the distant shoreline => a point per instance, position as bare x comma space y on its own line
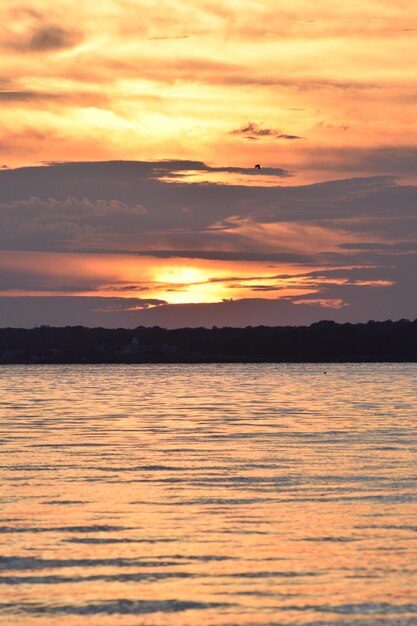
225, 361
322, 342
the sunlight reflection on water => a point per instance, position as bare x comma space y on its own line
208, 494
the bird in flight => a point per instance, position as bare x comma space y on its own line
257, 166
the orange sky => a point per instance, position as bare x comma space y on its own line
142, 80
314, 92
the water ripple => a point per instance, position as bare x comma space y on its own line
121, 607
231, 495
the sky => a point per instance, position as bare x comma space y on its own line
129, 135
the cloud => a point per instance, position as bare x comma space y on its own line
15, 97
52, 38
52, 223
181, 100
122, 288
220, 255
289, 137
358, 236
401, 246
26, 96
325, 303
181, 169
306, 83
138, 208
125, 304
173, 70
167, 37
254, 132
45, 38
24, 312
116, 312
349, 161
120, 203
332, 126
35, 275
113, 312
147, 170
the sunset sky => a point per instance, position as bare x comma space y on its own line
129, 132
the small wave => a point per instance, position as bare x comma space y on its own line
119, 607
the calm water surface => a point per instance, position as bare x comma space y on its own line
208, 495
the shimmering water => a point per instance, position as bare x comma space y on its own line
208, 494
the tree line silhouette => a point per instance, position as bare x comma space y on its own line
324, 341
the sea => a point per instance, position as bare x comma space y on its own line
199, 495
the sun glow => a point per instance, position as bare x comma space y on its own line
180, 275
182, 284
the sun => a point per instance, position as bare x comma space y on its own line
181, 275
183, 284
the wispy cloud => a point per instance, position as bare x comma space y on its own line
118, 79
254, 131
47, 38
